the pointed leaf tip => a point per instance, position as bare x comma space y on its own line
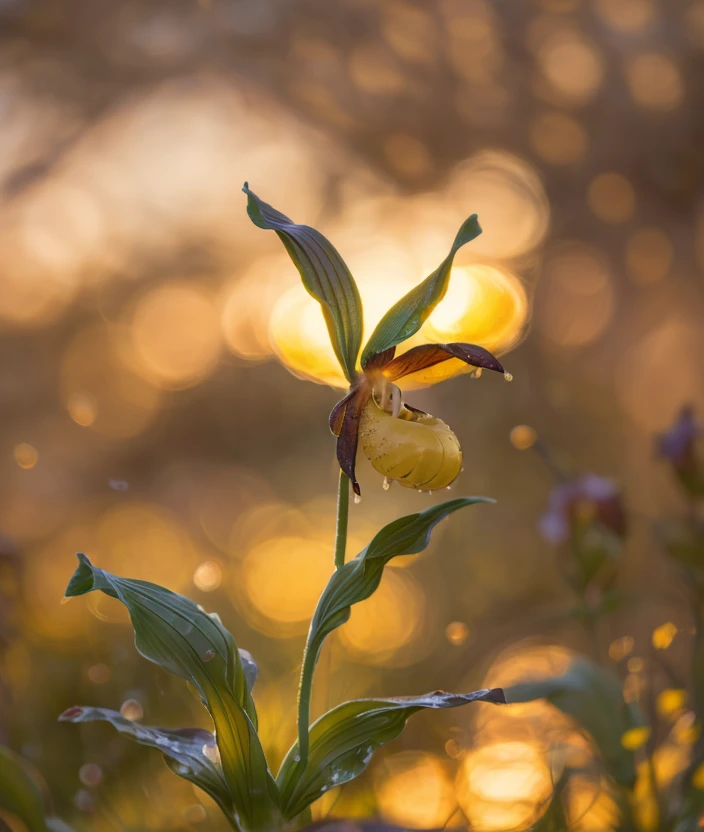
407, 316
325, 277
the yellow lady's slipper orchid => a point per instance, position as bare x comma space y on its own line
406, 445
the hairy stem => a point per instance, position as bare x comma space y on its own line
343, 507
305, 686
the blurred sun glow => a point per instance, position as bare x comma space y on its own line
175, 336
503, 786
282, 579
414, 790
397, 611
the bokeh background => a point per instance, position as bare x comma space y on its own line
146, 327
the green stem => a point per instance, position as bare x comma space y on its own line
343, 508
310, 658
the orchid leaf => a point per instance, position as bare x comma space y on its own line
324, 275
353, 582
343, 741
409, 314
176, 634
185, 750
359, 578
594, 698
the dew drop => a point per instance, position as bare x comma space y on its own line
357, 499
429, 493
508, 376
449, 488
208, 655
131, 709
420, 490
386, 484
477, 373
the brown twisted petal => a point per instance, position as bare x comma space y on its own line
344, 423
415, 449
428, 355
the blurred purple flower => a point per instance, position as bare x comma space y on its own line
583, 500
677, 444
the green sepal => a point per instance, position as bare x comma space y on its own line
407, 316
325, 276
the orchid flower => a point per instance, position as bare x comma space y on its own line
404, 444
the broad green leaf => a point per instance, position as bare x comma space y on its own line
176, 634
360, 577
343, 741
324, 275
593, 697
407, 316
355, 581
185, 750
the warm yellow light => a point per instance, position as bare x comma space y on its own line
523, 437
414, 791
649, 255
578, 298
611, 197
670, 701
175, 336
208, 576
457, 633
572, 66
626, 15
621, 647
635, 738
507, 193
26, 455
387, 622
503, 786
664, 635
83, 409
558, 138
282, 579
100, 390
591, 807
655, 81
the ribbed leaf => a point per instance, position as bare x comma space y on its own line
184, 750
21, 794
407, 316
343, 741
355, 581
593, 697
176, 634
324, 275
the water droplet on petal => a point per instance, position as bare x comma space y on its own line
477, 373
449, 488
508, 376
208, 655
386, 484
357, 499
429, 493
420, 490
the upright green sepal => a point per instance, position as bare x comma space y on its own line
181, 637
325, 276
407, 316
